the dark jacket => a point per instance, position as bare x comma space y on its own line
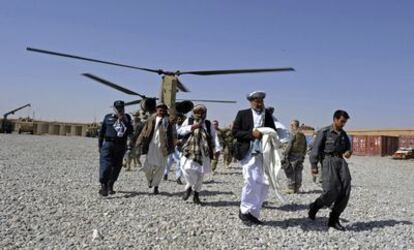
107, 131
147, 132
243, 131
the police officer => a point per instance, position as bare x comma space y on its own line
115, 129
333, 144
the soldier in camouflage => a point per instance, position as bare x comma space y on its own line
294, 157
226, 141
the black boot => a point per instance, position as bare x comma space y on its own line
179, 182
111, 188
334, 222
104, 190
187, 194
314, 208
166, 177
196, 198
156, 191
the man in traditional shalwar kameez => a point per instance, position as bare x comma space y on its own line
200, 140
157, 143
248, 152
176, 155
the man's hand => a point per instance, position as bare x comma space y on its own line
348, 154
314, 171
256, 134
217, 155
195, 126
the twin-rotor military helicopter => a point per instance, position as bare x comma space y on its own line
170, 84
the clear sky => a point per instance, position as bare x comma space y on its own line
355, 55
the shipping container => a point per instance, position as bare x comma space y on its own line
374, 145
406, 141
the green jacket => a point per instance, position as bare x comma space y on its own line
297, 145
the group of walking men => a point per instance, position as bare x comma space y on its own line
194, 143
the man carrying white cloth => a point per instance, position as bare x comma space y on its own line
248, 150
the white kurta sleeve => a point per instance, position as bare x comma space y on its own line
215, 140
185, 129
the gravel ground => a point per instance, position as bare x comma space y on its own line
49, 199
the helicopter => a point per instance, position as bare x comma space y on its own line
170, 84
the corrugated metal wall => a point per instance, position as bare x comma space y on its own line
374, 145
407, 141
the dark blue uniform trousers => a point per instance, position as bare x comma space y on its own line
336, 184
110, 162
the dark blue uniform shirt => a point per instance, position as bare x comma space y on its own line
328, 141
108, 131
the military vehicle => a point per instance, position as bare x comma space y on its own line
170, 84
92, 129
25, 125
6, 125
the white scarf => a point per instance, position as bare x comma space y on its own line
271, 160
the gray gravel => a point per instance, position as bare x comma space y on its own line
49, 199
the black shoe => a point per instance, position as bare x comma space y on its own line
187, 194
255, 220
156, 191
249, 219
334, 222
196, 198
313, 209
166, 177
179, 182
336, 225
111, 189
243, 217
104, 190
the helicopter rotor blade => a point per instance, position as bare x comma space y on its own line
205, 100
92, 60
233, 71
112, 85
181, 86
133, 102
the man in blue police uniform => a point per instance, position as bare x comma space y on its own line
332, 145
115, 129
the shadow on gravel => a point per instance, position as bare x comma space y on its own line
292, 207
316, 191
126, 194
222, 203
230, 173
304, 223
213, 182
211, 193
367, 226
131, 194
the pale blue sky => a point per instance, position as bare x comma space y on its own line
354, 55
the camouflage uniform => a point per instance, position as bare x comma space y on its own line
228, 146
226, 141
133, 155
293, 160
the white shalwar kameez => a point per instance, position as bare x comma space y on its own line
192, 171
255, 186
155, 161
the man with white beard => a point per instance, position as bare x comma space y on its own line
248, 152
157, 143
200, 139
